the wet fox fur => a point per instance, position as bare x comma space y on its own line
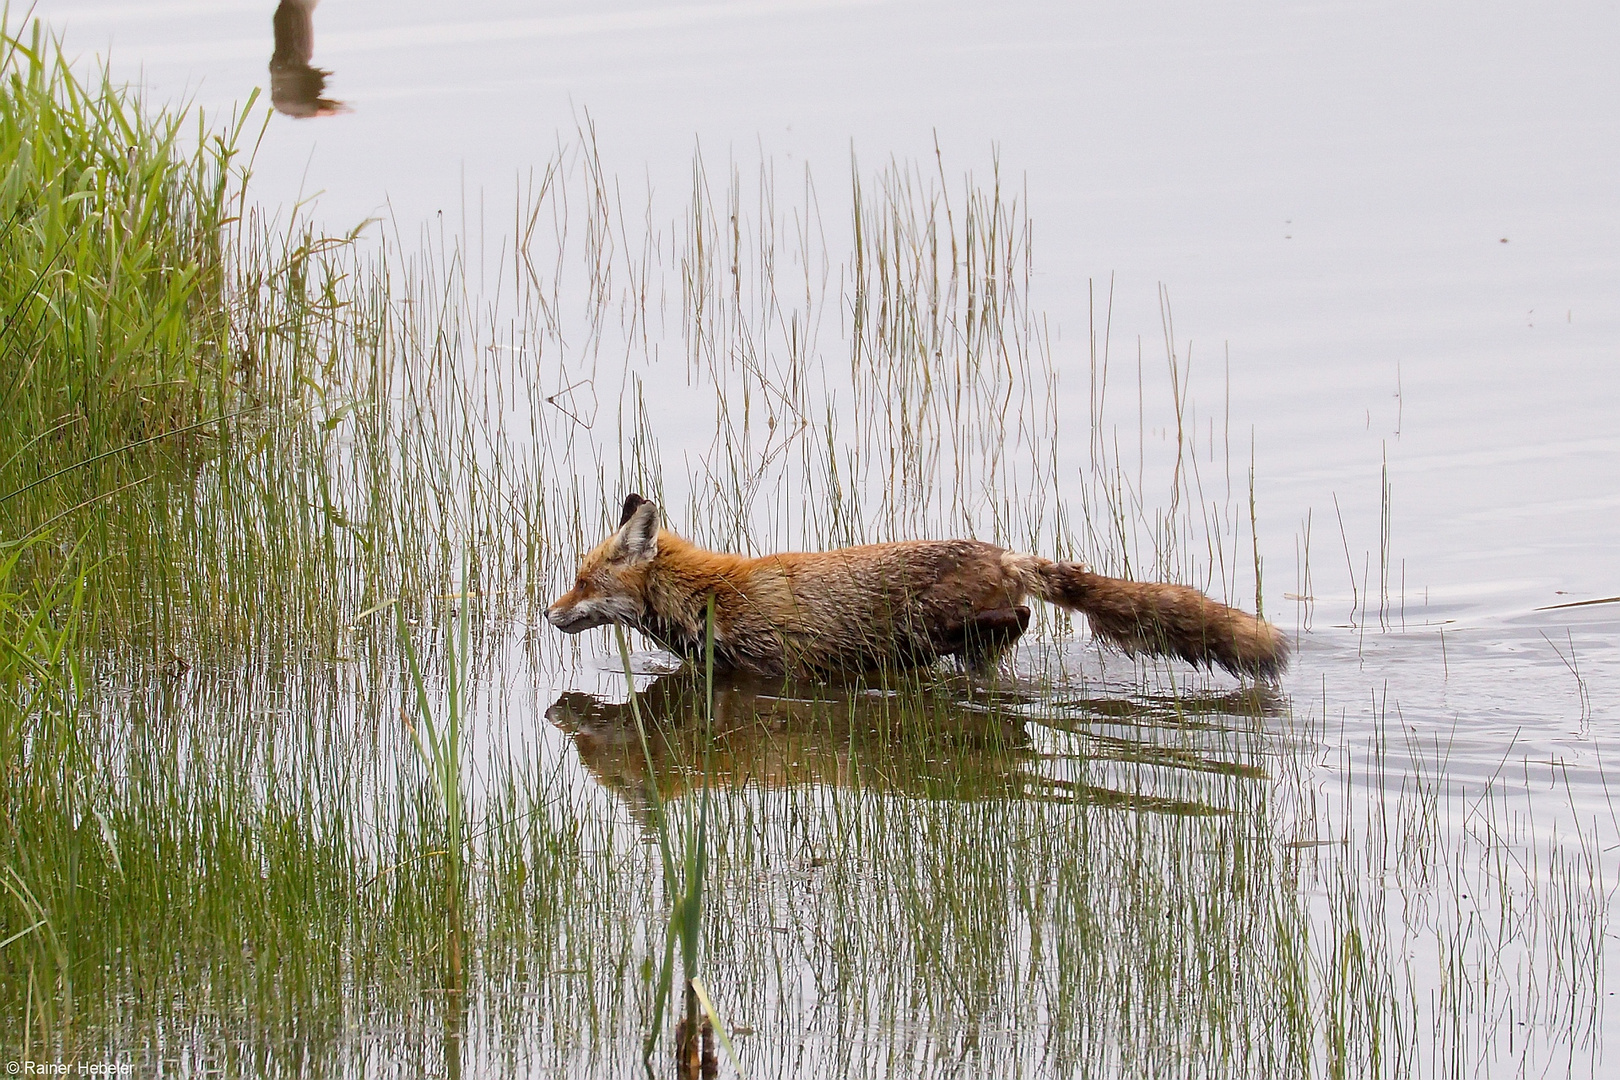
885, 605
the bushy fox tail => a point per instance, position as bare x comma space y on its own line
1165, 620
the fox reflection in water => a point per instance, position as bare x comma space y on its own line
921, 741
296, 86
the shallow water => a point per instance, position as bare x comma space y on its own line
1391, 247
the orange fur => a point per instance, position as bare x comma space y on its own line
877, 605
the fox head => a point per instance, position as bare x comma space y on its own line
610, 587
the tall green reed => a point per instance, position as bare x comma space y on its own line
439, 745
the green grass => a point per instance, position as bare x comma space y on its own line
117, 342
112, 278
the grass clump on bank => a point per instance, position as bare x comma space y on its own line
115, 356
111, 281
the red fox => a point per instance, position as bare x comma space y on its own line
885, 605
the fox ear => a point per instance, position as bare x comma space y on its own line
631, 501
638, 537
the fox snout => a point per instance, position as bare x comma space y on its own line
592, 603
573, 614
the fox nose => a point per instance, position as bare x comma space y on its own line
570, 618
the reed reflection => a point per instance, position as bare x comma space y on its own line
295, 85
944, 741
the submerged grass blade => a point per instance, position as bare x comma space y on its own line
719, 1027
661, 828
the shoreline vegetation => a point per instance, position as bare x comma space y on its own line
295, 783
